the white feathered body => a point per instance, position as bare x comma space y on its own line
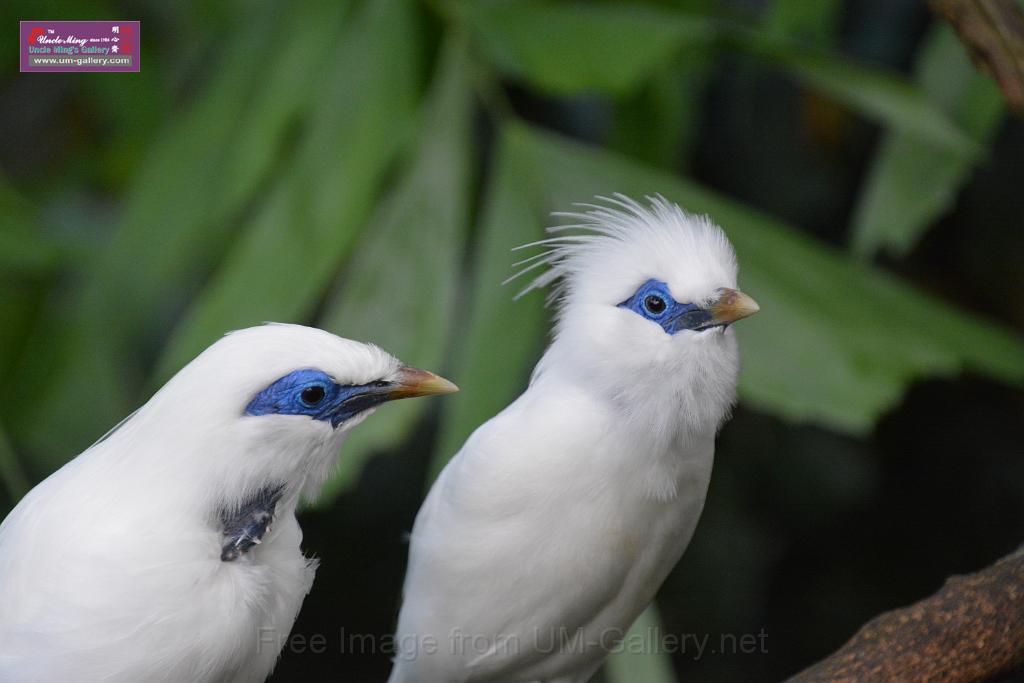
552, 529
111, 570
98, 583
497, 594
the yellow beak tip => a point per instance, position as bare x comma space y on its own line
733, 305
413, 382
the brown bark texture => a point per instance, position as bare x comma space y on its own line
972, 629
993, 33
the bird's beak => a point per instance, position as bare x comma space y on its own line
730, 305
412, 382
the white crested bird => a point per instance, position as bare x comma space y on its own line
169, 551
550, 531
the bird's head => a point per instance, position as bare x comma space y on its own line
646, 296
274, 402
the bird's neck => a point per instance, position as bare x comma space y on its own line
669, 407
650, 453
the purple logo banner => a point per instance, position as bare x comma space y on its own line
49, 46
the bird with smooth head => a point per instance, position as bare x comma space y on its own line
170, 550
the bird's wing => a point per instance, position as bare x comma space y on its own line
497, 538
108, 580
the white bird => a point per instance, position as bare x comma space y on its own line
169, 550
551, 530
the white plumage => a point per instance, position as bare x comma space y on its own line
555, 525
151, 556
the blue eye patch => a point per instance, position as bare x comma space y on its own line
654, 302
314, 393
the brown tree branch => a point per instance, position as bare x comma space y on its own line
993, 33
971, 630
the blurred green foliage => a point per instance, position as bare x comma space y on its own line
912, 181
367, 167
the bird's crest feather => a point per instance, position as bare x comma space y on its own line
616, 218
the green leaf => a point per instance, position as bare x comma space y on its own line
814, 23
911, 181
203, 170
502, 337
640, 658
24, 250
12, 475
877, 94
612, 48
178, 217
135, 107
400, 288
298, 237
291, 86
836, 341
28, 259
574, 47
657, 122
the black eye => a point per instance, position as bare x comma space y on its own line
312, 395
654, 304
